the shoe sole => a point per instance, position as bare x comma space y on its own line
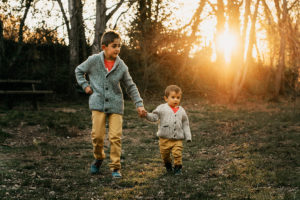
116, 175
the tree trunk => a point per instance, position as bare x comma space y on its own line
82, 38
20, 39
282, 32
195, 22
73, 44
78, 25
101, 21
145, 51
252, 33
74, 37
241, 76
246, 19
233, 13
64, 16
100, 25
220, 29
220, 59
240, 62
270, 30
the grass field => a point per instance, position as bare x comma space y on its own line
243, 151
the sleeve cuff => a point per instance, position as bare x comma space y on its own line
84, 85
139, 104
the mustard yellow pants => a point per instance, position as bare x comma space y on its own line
114, 134
168, 147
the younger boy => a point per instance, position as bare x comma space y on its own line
173, 128
106, 71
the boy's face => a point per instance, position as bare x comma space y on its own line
112, 50
173, 99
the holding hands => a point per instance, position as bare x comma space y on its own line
142, 112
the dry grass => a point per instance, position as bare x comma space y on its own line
243, 151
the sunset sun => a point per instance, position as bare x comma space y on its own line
226, 43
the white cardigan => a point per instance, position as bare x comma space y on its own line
171, 125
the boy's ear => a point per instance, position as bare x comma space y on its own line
166, 98
103, 46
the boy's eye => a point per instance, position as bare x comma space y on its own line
116, 45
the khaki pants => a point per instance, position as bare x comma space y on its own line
168, 147
114, 135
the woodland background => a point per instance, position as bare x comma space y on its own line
157, 53
242, 100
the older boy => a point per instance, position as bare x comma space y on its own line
106, 71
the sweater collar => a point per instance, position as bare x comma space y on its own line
167, 105
117, 61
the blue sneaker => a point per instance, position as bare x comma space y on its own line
96, 166
177, 170
116, 174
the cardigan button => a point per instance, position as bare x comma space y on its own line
106, 100
105, 109
106, 88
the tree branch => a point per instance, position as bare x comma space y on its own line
114, 10
64, 16
130, 1
129, 6
293, 4
196, 16
213, 6
28, 4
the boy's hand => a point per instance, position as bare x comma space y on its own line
88, 90
142, 112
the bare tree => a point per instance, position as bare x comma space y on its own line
77, 40
74, 37
233, 13
101, 21
194, 24
219, 10
283, 39
242, 72
20, 34
65, 17
282, 22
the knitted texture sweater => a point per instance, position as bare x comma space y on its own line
107, 93
171, 125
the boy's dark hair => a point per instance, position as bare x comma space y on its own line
109, 37
172, 88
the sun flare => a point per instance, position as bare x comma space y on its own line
226, 43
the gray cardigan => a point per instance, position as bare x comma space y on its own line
107, 93
171, 125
